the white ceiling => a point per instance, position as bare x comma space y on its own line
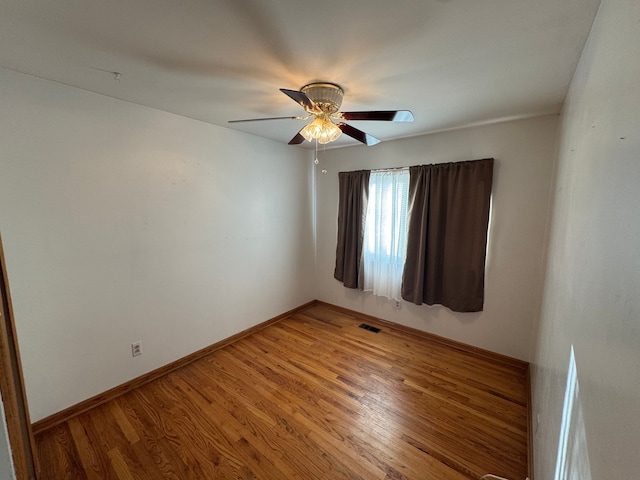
452, 62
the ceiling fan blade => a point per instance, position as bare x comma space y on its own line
297, 140
261, 119
382, 115
301, 98
359, 135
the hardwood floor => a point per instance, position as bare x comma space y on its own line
310, 397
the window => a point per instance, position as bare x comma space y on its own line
385, 234
434, 256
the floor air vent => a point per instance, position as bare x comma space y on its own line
370, 328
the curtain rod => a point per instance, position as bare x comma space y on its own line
387, 169
424, 165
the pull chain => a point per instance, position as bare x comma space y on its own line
316, 160
324, 148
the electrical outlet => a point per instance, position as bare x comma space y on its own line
136, 348
397, 305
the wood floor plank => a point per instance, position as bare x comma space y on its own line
312, 396
197, 440
156, 443
284, 409
93, 462
58, 449
102, 427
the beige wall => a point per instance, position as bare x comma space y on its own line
592, 287
124, 223
524, 151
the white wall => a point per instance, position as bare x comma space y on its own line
124, 223
592, 286
524, 151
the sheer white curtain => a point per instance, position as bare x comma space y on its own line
385, 237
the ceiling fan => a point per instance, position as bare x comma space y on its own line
322, 101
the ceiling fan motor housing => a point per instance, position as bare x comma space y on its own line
327, 96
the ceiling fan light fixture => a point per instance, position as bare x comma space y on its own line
321, 129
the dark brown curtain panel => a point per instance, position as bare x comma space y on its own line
447, 234
354, 189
